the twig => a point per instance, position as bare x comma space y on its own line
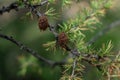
102, 32
73, 70
41, 4
12, 6
32, 52
15, 6
35, 54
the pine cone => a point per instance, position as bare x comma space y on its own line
62, 40
43, 23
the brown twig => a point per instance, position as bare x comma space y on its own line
73, 70
32, 52
12, 6
15, 6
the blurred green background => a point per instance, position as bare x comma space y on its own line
19, 65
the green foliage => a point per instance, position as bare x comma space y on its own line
99, 4
51, 1
106, 48
51, 13
108, 4
50, 46
26, 63
66, 2
67, 73
87, 19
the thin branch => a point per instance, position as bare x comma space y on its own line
73, 70
72, 54
102, 32
15, 6
41, 4
12, 6
32, 52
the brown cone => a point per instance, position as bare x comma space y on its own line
43, 23
62, 40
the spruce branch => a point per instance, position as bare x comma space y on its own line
73, 53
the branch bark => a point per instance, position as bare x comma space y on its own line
12, 6
15, 6
30, 51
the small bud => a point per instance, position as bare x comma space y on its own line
62, 40
43, 23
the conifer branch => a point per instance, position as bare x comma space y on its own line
30, 51
73, 52
15, 6
12, 6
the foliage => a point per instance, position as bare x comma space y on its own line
87, 19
